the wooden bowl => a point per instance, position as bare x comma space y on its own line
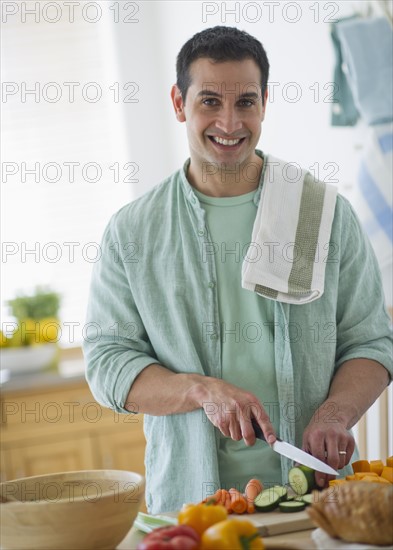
69, 510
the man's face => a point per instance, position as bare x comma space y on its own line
223, 112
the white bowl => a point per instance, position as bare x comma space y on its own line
70, 510
27, 358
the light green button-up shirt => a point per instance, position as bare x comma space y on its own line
153, 299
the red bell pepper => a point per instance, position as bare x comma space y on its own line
173, 537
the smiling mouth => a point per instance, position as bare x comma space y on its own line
229, 143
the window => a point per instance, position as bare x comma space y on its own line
64, 168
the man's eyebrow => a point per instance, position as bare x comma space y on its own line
246, 95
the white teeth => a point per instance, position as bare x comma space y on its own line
226, 141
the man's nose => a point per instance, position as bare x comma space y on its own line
228, 121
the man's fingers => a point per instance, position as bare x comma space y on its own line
343, 450
247, 431
235, 429
332, 444
256, 414
332, 449
224, 430
316, 447
233, 416
267, 428
335, 450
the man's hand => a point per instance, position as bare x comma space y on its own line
159, 391
231, 409
354, 388
327, 438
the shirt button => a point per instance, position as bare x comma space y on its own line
212, 284
213, 336
201, 232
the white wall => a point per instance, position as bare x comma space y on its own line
297, 126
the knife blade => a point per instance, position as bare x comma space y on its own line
294, 453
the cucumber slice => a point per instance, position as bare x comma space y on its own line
301, 479
308, 499
282, 491
267, 500
292, 506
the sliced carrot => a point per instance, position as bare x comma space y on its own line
213, 499
337, 481
238, 501
224, 497
372, 479
360, 475
376, 466
387, 473
350, 477
218, 497
383, 480
226, 500
389, 461
360, 466
250, 508
252, 490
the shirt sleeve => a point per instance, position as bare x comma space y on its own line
363, 324
115, 345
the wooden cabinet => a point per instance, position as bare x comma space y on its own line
60, 427
114, 454
57, 455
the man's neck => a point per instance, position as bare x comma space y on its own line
226, 183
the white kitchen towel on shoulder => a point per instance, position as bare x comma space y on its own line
286, 259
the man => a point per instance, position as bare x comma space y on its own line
184, 352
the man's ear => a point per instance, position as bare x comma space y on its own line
178, 104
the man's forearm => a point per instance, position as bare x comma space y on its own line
355, 387
159, 391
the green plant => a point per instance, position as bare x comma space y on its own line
43, 303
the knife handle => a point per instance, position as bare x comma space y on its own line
258, 430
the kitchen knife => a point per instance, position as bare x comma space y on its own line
296, 454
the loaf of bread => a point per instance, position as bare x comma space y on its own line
355, 512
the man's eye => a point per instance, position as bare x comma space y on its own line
210, 101
246, 102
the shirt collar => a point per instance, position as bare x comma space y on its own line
189, 190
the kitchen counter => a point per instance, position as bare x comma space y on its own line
71, 368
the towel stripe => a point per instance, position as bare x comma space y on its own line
307, 232
267, 292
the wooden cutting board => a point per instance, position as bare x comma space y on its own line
274, 523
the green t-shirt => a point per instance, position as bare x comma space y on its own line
246, 328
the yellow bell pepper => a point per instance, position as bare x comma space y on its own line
201, 516
232, 534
